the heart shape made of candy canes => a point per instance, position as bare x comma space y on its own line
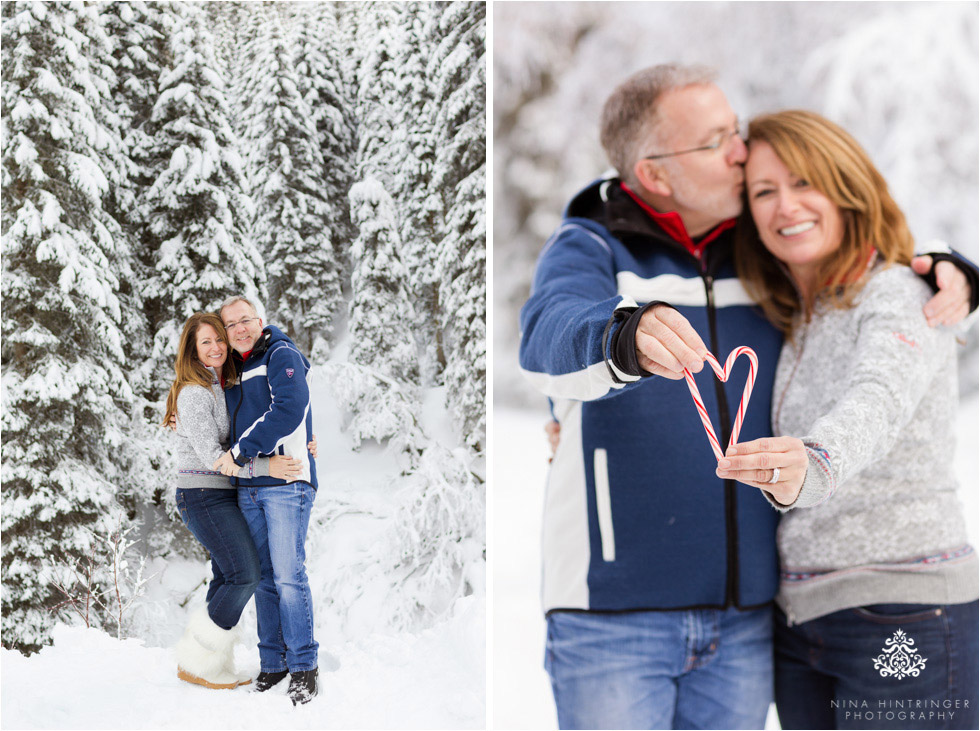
723, 374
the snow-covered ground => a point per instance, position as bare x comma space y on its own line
521, 690
370, 676
89, 680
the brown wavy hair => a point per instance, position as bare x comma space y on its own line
188, 368
829, 159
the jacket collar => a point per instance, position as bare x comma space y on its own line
609, 203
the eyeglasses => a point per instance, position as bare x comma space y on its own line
232, 325
717, 141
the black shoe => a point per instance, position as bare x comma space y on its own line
302, 686
267, 680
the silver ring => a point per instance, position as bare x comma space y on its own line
775, 477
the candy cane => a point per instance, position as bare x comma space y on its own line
723, 374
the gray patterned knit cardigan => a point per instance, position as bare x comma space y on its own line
871, 391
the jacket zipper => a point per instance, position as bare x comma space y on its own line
731, 523
234, 418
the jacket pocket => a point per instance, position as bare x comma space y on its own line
603, 504
898, 613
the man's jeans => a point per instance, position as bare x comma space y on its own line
826, 674
674, 669
278, 518
212, 515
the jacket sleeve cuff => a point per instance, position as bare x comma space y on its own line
236, 454
818, 484
260, 467
623, 353
968, 268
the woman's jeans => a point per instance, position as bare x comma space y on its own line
212, 515
857, 668
278, 517
701, 668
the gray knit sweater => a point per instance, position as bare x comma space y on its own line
203, 428
871, 391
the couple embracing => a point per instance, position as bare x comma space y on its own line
245, 487
683, 591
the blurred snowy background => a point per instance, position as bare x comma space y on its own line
902, 77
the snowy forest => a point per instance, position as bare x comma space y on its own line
326, 159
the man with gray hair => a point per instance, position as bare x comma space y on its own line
270, 412
658, 575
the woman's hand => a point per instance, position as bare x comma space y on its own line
312, 446
283, 468
226, 465
754, 463
553, 430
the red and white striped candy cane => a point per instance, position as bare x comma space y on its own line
723, 374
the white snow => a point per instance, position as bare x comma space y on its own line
89, 680
371, 677
521, 689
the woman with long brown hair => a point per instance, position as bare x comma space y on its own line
208, 502
878, 578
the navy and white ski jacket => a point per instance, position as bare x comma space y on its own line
635, 517
269, 407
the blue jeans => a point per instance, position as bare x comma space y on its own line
705, 668
212, 515
826, 675
278, 518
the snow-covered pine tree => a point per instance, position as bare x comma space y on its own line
378, 39
247, 74
140, 33
223, 18
412, 160
319, 61
379, 385
355, 22
65, 390
291, 227
458, 71
196, 207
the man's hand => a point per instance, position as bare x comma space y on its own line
666, 344
284, 468
753, 463
226, 465
952, 302
311, 446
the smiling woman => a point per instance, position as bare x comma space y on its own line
208, 502
212, 349
803, 170
867, 386
800, 225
